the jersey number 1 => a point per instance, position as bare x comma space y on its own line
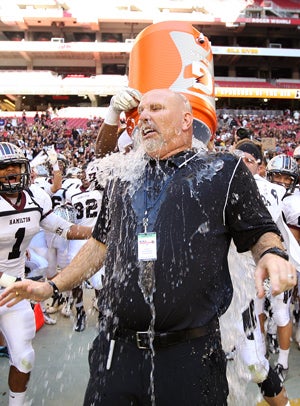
19, 236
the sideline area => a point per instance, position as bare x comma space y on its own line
61, 370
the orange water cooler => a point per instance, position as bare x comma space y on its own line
173, 54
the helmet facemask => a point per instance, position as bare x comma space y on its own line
11, 155
14, 182
285, 165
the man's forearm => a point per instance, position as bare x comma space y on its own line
56, 181
79, 232
88, 261
106, 140
266, 241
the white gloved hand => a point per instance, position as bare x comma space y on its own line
39, 159
125, 100
52, 155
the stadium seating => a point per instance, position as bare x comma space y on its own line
285, 4
248, 83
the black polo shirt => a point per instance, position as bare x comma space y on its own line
196, 203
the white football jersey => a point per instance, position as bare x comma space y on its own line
44, 183
87, 205
291, 209
272, 195
59, 197
17, 227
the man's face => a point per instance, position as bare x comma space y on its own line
251, 162
84, 179
282, 179
162, 123
10, 174
61, 165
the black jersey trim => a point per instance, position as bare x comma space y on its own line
14, 212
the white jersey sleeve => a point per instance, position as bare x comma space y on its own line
44, 183
41, 197
272, 196
291, 209
49, 221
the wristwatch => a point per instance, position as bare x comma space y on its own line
276, 251
55, 288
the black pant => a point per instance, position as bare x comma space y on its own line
190, 374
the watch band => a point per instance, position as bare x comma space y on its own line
276, 251
54, 287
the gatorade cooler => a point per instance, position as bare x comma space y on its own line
174, 55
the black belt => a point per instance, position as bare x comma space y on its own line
142, 339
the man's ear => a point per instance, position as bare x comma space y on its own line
187, 120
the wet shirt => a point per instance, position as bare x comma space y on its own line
195, 204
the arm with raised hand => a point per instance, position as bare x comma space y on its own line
125, 100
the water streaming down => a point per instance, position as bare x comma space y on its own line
129, 168
241, 267
147, 285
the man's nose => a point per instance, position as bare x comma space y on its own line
144, 115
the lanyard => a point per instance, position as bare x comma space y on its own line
148, 208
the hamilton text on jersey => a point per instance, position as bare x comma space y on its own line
19, 220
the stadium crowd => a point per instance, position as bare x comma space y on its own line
284, 128
77, 144
32, 135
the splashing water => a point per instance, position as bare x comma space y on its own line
147, 285
147, 280
127, 167
241, 267
130, 168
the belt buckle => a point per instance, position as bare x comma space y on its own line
139, 340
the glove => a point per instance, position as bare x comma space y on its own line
125, 100
40, 159
52, 155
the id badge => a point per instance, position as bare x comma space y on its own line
147, 250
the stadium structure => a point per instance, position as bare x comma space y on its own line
74, 53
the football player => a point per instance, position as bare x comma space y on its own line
86, 200
22, 214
